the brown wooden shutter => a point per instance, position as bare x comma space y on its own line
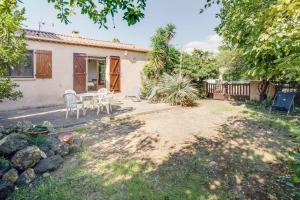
79, 81
115, 70
43, 64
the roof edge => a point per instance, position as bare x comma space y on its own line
87, 45
53, 40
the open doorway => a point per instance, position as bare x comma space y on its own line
96, 73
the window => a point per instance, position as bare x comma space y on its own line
101, 76
24, 69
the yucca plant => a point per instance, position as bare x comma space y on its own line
178, 90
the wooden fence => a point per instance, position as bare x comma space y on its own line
228, 91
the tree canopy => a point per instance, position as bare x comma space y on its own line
12, 47
231, 64
164, 58
198, 65
267, 32
99, 10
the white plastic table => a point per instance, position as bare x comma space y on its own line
91, 95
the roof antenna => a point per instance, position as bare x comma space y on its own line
41, 23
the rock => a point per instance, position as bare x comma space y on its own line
4, 167
43, 154
66, 137
9, 130
46, 174
49, 125
13, 143
11, 176
26, 177
64, 150
48, 164
53, 144
50, 153
26, 158
6, 188
23, 126
78, 141
45, 147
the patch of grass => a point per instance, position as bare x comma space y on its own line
128, 180
38, 140
225, 107
122, 121
207, 169
3, 159
82, 129
105, 125
265, 104
85, 155
288, 124
50, 188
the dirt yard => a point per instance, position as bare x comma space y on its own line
154, 136
216, 150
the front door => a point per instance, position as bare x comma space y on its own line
115, 74
79, 81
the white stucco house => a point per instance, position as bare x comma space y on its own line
57, 62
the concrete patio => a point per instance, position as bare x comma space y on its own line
56, 114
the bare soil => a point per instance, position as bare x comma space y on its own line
242, 157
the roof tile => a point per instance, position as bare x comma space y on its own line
71, 39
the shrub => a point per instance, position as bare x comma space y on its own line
38, 140
266, 103
262, 104
147, 85
252, 102
178, 90
202, 93
294, 166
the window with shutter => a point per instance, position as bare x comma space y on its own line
43, 64
24, 69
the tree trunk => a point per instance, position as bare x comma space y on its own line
263, 89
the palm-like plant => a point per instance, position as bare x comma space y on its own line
159, 56
169, 32
178, 90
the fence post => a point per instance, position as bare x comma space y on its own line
226, 90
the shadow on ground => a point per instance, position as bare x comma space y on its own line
110, 140
245, 161
56, 115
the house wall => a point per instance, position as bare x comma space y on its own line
42, 92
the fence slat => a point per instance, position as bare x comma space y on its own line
234, 91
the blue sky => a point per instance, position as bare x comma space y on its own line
194, 30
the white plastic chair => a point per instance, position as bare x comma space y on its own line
136, 92
104, 100
72, 103
152, 93
103, 91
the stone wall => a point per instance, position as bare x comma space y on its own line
254, 93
